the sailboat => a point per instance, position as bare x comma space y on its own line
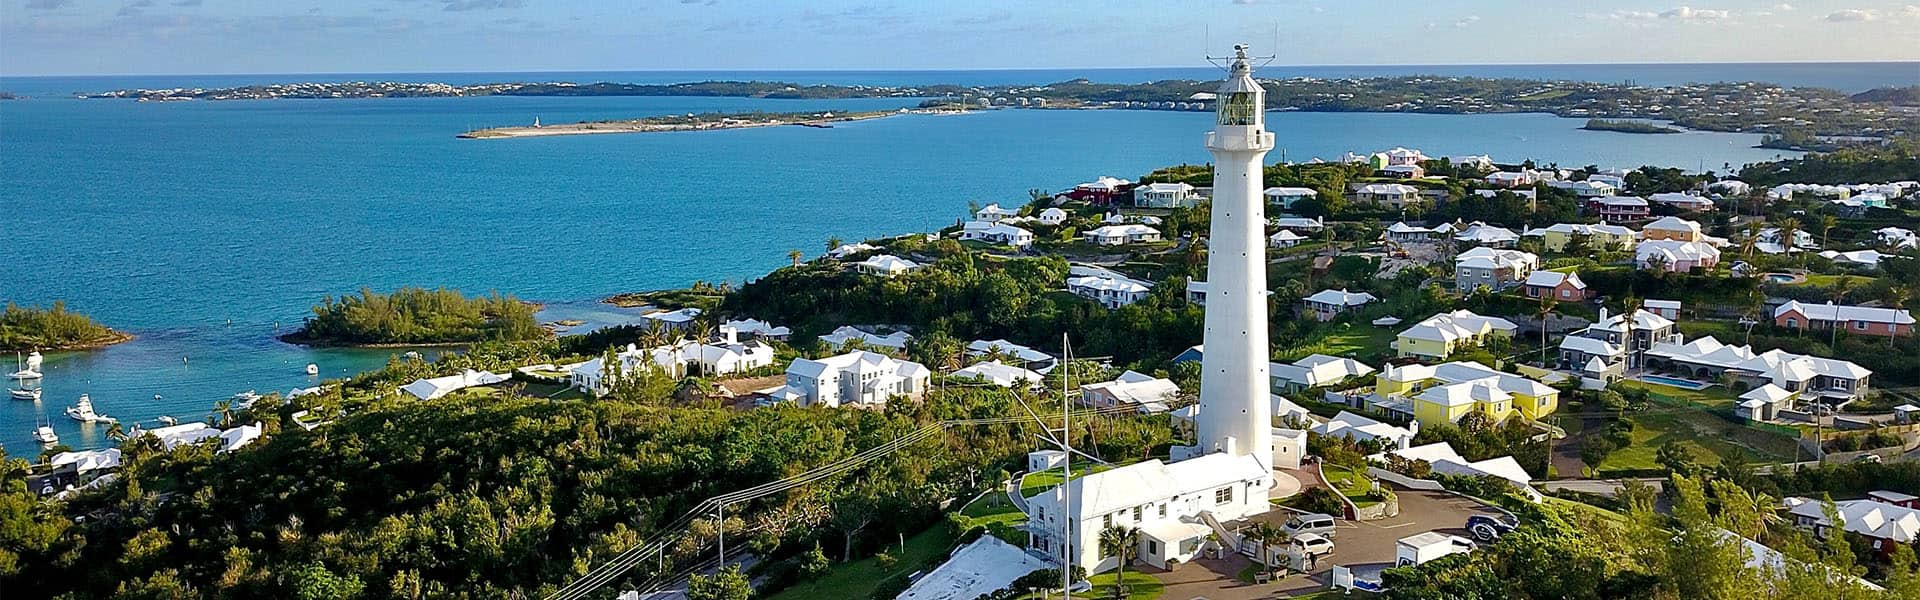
83, 412
30, 370
24, 393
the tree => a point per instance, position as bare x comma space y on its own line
1267, 536
1827, 223
794, 255
833, 243
814, 563
1789, 227
1547, 304
1676, 458
856, 509
315, 582
728, 584
1838, 294
1122, 543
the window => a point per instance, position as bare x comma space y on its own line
1791, 322
1163, 510
1223, 495
1136, 514
1861, 325
1106, 520
1238, 109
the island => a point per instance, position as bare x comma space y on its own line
687, 122
34, 328
1627, 126
1726, 107
412, 316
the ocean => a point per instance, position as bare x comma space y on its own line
205, 228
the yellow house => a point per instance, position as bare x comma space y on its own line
1599, 237
1444, 393
1440, 335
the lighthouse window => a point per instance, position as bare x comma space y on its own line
1238, 109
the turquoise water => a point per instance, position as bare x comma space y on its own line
1675, 382
206, 227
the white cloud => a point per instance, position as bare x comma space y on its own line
1467, 21
1852, 15
1633, 15
1783, 6
1688, 13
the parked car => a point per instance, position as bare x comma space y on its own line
1315, 523
1487, 528
1309, 547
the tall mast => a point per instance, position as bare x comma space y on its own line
1066, 472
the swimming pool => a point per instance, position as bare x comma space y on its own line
1675, 382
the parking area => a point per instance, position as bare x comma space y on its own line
1365, 546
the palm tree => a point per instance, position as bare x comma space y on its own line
116, 433
832, 242
1838, 294
1896, 297
1267, 536
223, 410
794, 255
1629, 306
655, 336
1827, 223
1547, 304
1788, 228
1120, 542
1753, 235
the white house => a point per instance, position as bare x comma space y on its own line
1510, 179
1171, 505
1300, 224
1362, 429
1116, 235
175, 436
858, 378
846, 250
759, 329
1285, 239
1586, 189
892, 342
1148, 393
1442, 457
1868, 259
997, 373
1286, 196
1327, 305
1113, 292
1024, 356
671, 320
1491, 268
429, 389
1314, 371
1492, 236
1164, 195
886, 265
1707, 359
1687, 202
1897, 238
1675, 256
1394, 195
992, 213
1053, 216
995, 232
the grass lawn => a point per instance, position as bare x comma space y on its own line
996, 513
1361, 341
1140, 586
1709, 436
1354, 485
1716, 396
1040, 481
859, 578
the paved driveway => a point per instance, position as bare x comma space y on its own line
1365, 546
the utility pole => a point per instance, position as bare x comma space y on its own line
1067, 513
721, 530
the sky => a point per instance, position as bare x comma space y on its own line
96, 37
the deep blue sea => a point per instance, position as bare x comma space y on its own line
206, 227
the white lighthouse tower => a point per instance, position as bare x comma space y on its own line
1235, 411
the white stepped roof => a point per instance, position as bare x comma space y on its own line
1842, 312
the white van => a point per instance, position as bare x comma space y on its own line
1316, 523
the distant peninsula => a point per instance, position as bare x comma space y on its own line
688, 122
34, 328
412, 316
1628, 126
1726, 107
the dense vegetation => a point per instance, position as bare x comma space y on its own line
1627, 126
418, 316
1897, 160
35, 328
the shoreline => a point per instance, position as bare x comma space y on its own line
117, 337
651, 125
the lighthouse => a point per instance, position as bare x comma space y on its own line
1235, 411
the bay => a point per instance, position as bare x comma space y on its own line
206, 227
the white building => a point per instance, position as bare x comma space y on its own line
1117, 235
1000, 374
1392, 195
892, 342
759, 329
1492, 236
1363, 429
1285, 239
1300, 224
1110, 291
886, 265
1022, 355
1675, 256
1326, 305
1169, 504
1053, 216
1314, 371
1492, 268
1706, 359
671, 320
1284, 197
845, 250
1687, 202
429, 389
991, 213
1165, 195
996, 232
1150, 394
858, 378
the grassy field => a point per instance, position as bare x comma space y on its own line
1352, 484
1713, 396
859, 578
1710, 438
998, 514
1140, 586
1039, 481
1361, 341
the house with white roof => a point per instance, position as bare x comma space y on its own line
1109, 291
845, 250
1000, 374
1491, 268
1557, 237
1390, 195
1118, 218
886, 265
1327, 305
1886, 524
1585, 189
1402, 232
1440, 335
1446, 392
1103, 190
1618, 209
1563, 287
1284, 197
672, 320
1314, 371
1014, 353
1614, 344
175, 436
1861, 320
1404, 171
1053, 216
1675, 256
1118, 235
1474, 160
429, 389
758, 329
991, 213
1363, 429
1706, 359
1300, 224
858, 378
1764, 403
1511, 179
1444, 459
1147, 393
1173, 506
724, 355
1673, 229
893, 342
1665, 308
1398, 156
1771, 235
1686, 202
84, 461
1865, 259
996, 232
1165, 195
1285, 239
1491, 236
1730, 187
1897, 238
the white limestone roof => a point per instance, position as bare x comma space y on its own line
1679, 199
757, 327
1319, 369
1290, 191
1843, 312
88, 460
1140, 483
1587, 345
1104, 183
1554, 279
1137, 388
1461, 371
1402, 227
428, 389
1459, 324
1642, 320
1053, 212
1362, 428
1169, 187
1675, 250
1299, 222
1622, 201
1388, 188
1107, 283
1768, 393
1466, 392
1121, 230
1341, 297
845, 249
1005, 347
1671, 223
1286, 235
1775, 364
889, 263
999, 374
845, 333
1484, 233
1867, 517
1661, 304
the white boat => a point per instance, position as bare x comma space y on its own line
168, 421
246, 398
83, 412
24, 394
44, 434
313, 369
28, 370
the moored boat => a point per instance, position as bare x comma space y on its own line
83, 412
45, 435
24, 393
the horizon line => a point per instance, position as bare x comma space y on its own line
960, 70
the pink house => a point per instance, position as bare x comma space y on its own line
1862, 320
